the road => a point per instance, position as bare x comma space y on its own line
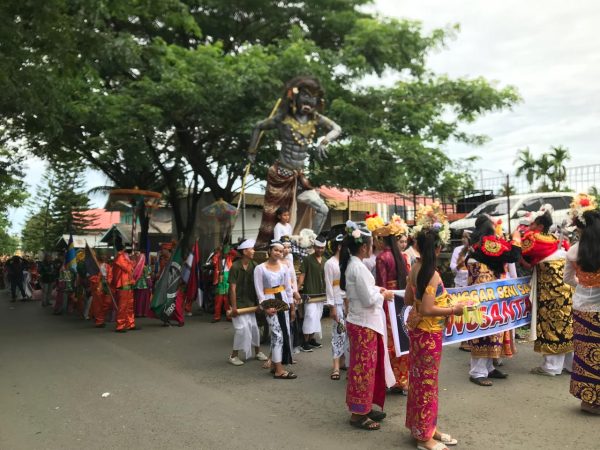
172, 388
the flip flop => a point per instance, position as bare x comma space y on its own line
335, 375
481, 381
365, 424
446, 439
285, 376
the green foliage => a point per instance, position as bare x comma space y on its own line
55, 209
549, 168
164, 93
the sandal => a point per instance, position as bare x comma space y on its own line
376, 416
335, 375
497, 374
285, 376
437, 446
365, 424
445, 439
480, 381
267, 364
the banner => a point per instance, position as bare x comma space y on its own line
504, 305
165, 291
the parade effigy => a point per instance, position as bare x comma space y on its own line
296, 117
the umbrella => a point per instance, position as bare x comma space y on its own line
220, 210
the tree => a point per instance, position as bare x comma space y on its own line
177, 85
526, 164
56, 209
558, 174
507, 190
544, 164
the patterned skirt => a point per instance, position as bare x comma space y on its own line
366, 375
585, 379
554, 310
424, 363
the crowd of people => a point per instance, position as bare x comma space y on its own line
354, 275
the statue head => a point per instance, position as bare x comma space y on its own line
303, 95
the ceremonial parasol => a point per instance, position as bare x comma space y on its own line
222, 211
139, 201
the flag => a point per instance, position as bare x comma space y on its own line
193, 281
165, 291
91, 263
71, 255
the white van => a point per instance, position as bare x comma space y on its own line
519, 206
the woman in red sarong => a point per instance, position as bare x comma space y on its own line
369, 370
391, 269
427, 320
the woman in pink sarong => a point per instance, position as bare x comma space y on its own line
426, 323
369, 370
142, 289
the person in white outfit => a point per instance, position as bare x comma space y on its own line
242, 294
338, 307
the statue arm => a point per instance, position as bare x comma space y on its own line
334, 130
263, 125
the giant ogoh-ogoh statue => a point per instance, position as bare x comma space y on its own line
296, 119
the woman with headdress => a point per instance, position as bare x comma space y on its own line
338, 307
427, 320
583, 271
369, 370
487, 261
275, 296
391, 270
551, 297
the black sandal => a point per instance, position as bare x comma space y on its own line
376, 416
481, 381
497, 374
365, 424
335, 375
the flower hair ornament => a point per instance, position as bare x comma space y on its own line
432, 217
580, 204
373, 221
353, 230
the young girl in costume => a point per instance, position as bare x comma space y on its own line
273, 285
283, 226
427, 320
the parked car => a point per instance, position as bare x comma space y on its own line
519, 206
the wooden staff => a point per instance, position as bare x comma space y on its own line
319, 298
247, 310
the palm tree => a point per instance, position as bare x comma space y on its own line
507, 190
544, 164
558, 156
526, 165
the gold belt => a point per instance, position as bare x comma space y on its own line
273, 290
335, 282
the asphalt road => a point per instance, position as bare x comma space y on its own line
172, 388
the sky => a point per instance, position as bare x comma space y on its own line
545, 48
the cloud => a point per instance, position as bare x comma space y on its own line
547, 49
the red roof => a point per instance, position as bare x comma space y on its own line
103, 219
341, 195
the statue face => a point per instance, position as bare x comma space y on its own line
306, 103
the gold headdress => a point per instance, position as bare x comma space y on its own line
432, 217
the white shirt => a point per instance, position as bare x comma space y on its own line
282, 230
584, 298
460, 276
265, 278
365, 302
334, 294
